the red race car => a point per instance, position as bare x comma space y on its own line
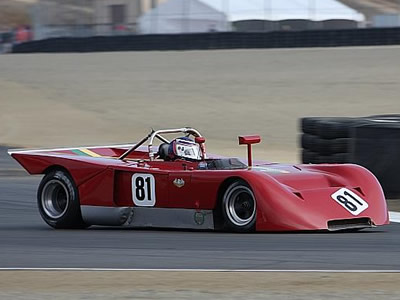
177, 185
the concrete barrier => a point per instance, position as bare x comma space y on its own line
223, 40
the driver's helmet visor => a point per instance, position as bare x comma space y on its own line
187, 149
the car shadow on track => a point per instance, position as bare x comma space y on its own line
308, 232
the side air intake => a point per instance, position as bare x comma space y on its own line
347, 224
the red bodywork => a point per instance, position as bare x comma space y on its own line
289, 197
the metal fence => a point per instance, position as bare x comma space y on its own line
109, 29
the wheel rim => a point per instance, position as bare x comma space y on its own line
240, 205
55, 199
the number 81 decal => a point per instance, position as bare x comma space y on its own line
350, 201
143, 190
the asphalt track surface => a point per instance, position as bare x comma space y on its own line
27, 242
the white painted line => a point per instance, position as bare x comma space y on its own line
343, 48
394, 216
200, 270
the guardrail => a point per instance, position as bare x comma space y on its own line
222, 40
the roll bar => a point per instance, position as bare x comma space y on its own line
157, 134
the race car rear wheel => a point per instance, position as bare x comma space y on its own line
58, 201
239, 207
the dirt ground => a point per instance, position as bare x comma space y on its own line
100, 98
196, 285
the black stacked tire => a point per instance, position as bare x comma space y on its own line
324, 146
372, 142
310, 125
309, 157
377, 147
326, 139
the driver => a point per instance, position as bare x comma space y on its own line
180, 148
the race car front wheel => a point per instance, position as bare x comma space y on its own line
58, 201
239, 207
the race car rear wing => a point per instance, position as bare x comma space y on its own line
249, 140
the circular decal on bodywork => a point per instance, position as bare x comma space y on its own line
199, 218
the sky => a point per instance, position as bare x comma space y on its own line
284, 9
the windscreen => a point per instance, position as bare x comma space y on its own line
187, 149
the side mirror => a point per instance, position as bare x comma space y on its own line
201, 140
249, 140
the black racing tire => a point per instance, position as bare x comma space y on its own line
324, 146
323, 159
239, 207
332, 146
336, 128
341, 158
58, 201
310, 124
308, 141
308, 157
338, 158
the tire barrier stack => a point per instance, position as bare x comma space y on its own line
217, 40
372, 142
326, 140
